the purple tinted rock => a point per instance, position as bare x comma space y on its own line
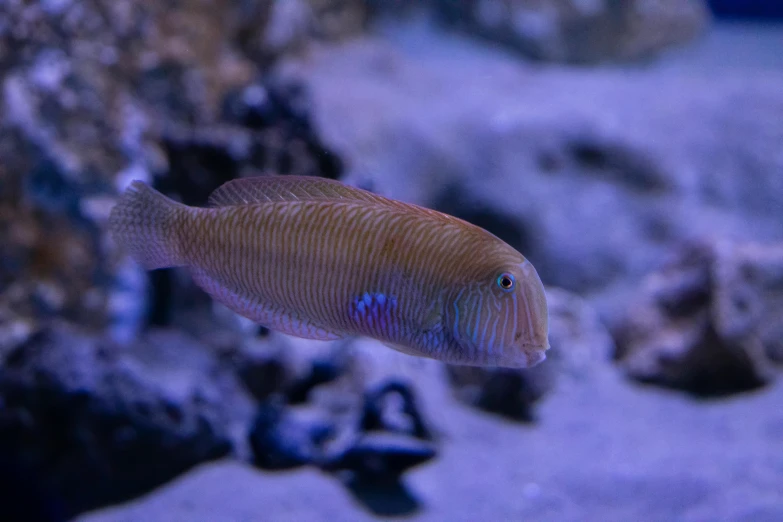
98, 424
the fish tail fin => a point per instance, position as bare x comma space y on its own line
144, 222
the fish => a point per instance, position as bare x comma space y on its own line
318, 259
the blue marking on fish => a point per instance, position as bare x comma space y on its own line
373, 311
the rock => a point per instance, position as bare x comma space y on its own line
508, 392
296, 370
102, 86
382, 456
90, 423
748, 297
709, 322
372, 469
338, 19
323, 412
583, 32
579, 342
284, 438
546, 158
295, 23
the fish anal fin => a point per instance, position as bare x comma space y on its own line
433, 320
265, 189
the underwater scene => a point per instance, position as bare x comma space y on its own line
421, 260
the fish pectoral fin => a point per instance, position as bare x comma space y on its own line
266, 189
271, 317
433, 320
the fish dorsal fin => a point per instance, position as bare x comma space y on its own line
266, 189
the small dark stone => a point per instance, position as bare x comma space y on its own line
382, 456
26, 495
619, 163
511, 393
283, 438
263, 374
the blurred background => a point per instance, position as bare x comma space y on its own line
631, 149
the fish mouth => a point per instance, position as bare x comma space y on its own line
527, 357
536, 357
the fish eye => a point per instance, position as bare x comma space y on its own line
506, 282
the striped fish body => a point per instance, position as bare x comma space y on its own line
317, 259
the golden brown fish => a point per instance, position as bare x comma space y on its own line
315, 258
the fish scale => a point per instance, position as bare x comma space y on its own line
318, 259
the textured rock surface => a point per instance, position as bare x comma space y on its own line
90, 423
578, 31
284, 438
711, 322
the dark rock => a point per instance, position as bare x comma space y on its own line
264, 374
283, 438
508, 392
748, 299
709, 322
25, 494
382, 456
570, 31
92, 423
274, 366
310, 399
372, 469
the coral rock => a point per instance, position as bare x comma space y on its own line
710, 322
90, 423
571, 31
